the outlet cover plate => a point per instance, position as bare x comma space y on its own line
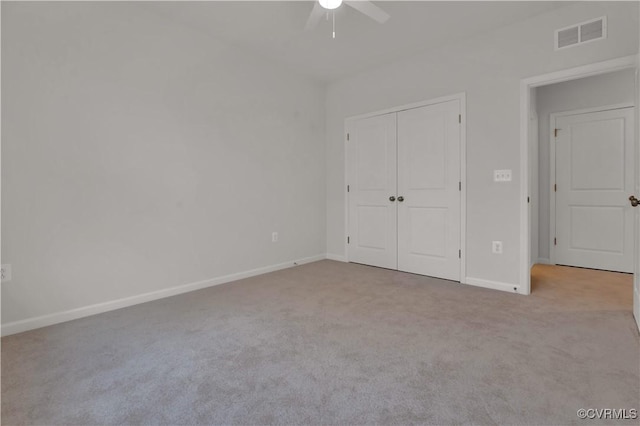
496, 247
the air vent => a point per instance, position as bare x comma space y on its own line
592, 30
595, 29
568, 37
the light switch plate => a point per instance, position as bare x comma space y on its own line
502, 175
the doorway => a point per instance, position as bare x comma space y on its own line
533, 189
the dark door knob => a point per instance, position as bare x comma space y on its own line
392, 198
401, 198
634, 201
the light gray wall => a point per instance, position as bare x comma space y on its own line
602, 90
489, 68
138, 155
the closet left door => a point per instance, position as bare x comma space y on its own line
372, 179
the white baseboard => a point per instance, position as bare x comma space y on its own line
337, 257
85, 311
544, 261
494, 285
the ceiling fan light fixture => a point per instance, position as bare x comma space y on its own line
330, 4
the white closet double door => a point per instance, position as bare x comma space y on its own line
404, 190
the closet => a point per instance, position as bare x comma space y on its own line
404, 190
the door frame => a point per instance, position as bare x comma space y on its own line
552, 163
462, 98
526, 85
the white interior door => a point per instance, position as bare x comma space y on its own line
595, 176
372, 180
636, 257
636, 234
428, 190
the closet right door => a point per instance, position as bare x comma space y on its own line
429, 190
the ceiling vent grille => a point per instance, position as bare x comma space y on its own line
585, 32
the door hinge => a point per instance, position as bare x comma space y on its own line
459, 118
459, 254
348, 240
528, 200
555, 242
347, 188
555, 187
460, 186
347, 136
555, 133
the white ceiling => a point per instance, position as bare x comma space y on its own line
275, 29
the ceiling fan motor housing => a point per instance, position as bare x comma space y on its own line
330, 4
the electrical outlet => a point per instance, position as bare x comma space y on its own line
496, 247
502, 175
5, 272
274, 237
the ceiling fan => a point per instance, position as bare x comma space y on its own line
363, 6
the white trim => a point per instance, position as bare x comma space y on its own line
346, 194
525, 92
593, 109
462, 99
494, 285
463, 189
85, 311
442, 99
552, 192
525, 220
336, 257
544, 261
596, 68
552, 164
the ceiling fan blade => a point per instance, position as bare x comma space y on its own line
314, 16
369, 9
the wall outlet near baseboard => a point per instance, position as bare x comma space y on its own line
5, 272
274, 237
496, 247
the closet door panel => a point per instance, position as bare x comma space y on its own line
428, 179
372, 179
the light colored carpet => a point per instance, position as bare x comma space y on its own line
336, 343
